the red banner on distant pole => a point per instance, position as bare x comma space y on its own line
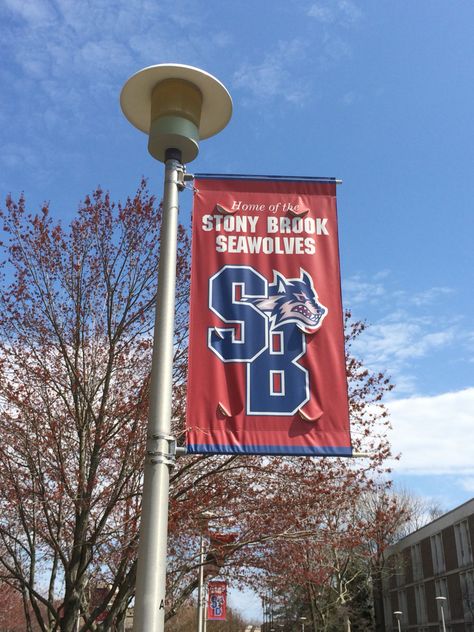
216, 601
266, 356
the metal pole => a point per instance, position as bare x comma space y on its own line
204, 618
442, 600
149, 612
398, 614
442, 619
201, 585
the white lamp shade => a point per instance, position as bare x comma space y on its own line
135, 98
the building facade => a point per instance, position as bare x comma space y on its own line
430, 576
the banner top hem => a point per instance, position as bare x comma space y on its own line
242, 176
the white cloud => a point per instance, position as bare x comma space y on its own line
431, 295
398, 342
358, 289
65, 62
287, 73
404, 327
273, 77
334, 48
342, 12
222, 39
361, 290
349, 11
467, 483
349, 98
322, 13
434, 434
36, 13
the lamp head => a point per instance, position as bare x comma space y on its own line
176, 105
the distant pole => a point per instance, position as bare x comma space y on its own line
176, 106
201, 597
204, 519
206, 587
442, 601
398, 614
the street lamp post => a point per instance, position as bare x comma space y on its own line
201, 598
176, 106
441, 601
398, 614
205, 517
302, 619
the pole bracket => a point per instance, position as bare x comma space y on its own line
167, 457
184, 178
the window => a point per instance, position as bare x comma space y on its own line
467, 590
420, 602
437, 553
403, 605
463, 543
400, 571
416, 562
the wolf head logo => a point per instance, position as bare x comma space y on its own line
293, 301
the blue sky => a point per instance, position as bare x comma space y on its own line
377, 93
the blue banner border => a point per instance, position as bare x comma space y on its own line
282, 450
243, 176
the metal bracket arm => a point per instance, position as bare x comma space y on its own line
183, 178
167, 457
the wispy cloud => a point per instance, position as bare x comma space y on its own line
334, 49
64, 63
429, 296
37, 13
275, 76
360, 290
322, 13
435, 434
395, 347
404, 327
349, 98
343, 12
290, 70
389, 342
331, 22
467, 483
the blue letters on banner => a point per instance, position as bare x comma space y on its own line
265, 326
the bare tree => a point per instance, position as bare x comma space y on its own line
76, 315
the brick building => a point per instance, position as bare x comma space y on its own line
435, 561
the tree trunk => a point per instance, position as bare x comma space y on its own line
377, 597
312, 604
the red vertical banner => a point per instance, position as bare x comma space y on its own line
266, 354
216, 601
